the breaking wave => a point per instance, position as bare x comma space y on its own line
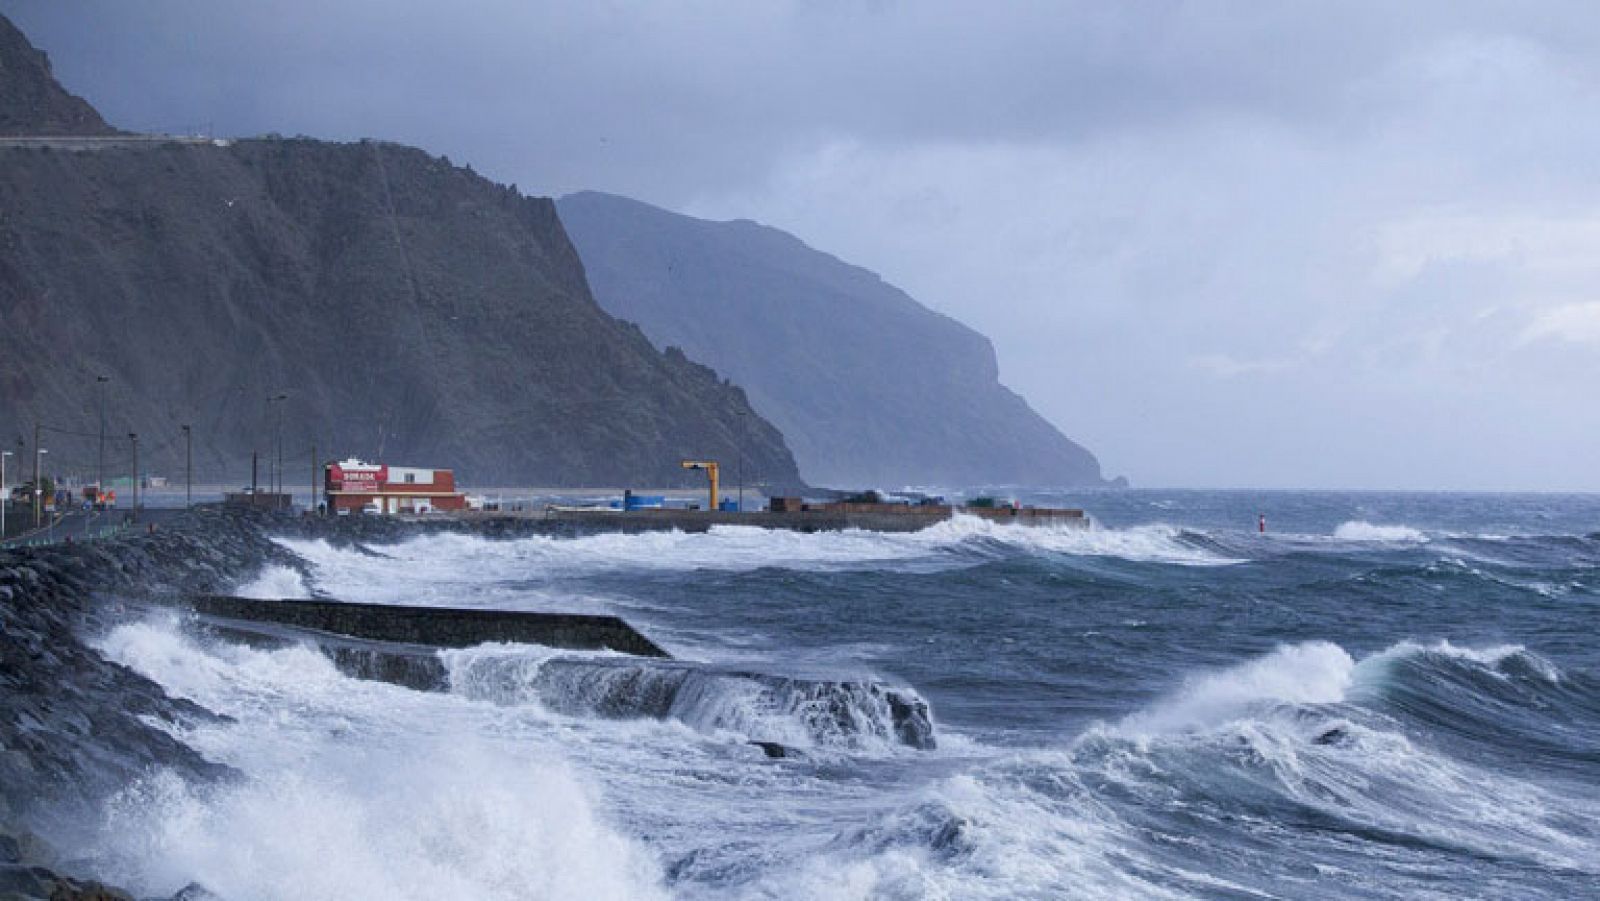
274, 582
1317, 672
451, 568
352, 789
794, 713
1148, 807
1360, 530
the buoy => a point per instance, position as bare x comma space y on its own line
1261, 524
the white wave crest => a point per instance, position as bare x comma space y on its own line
860, 716
1152, 543
1313, 672
353, 789
451, 569
1361, 530
1491, 657
274, 582
442, 820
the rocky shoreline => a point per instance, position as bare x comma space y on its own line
76, 728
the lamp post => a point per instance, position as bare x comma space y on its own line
5, 498
188, 467
38, 486
743, 428
277, 440
134, 437
100, 461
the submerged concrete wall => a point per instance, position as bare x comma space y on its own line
448, 627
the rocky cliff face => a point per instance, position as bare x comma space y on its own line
408, 308
31, 102
870, 387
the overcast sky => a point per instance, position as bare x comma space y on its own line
1252, 244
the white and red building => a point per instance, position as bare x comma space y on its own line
355, 487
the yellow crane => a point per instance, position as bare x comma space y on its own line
710, 466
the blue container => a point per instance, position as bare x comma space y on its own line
728, 506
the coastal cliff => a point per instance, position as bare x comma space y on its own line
870, 387
408, 308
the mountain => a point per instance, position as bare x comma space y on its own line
408, 308
31, 102
869, 386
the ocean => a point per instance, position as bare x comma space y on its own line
1384, 695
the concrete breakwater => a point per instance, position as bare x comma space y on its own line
401, 645
444, 627
833, 517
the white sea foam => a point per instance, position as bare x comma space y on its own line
455, 569
274, 581
447, 819
1361, 530
1491, 657
831, 714
982, 835
1314, 672
354, 790
1287, 709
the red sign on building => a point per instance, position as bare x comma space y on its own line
365, 479
355, 486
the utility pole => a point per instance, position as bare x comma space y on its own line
188, 467
133, 437
100, 461
742, 429
277, 440
38, 486
5, 497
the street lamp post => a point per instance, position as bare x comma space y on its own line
188, 467
5, 498
277, 440
134, 437
743, 428
100, 461
38, 486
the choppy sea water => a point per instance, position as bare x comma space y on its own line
1386, 695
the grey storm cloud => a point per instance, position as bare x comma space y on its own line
1278, 244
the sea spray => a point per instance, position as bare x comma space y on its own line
352, 789
1317, 672
273, 582
1334, 718
1360, 530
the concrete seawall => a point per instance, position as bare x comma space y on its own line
822, 518
447, 627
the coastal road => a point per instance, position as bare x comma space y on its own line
102, 142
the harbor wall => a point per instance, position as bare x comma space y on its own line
819, 518
446, 627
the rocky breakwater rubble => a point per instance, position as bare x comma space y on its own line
74, 727
77, 729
